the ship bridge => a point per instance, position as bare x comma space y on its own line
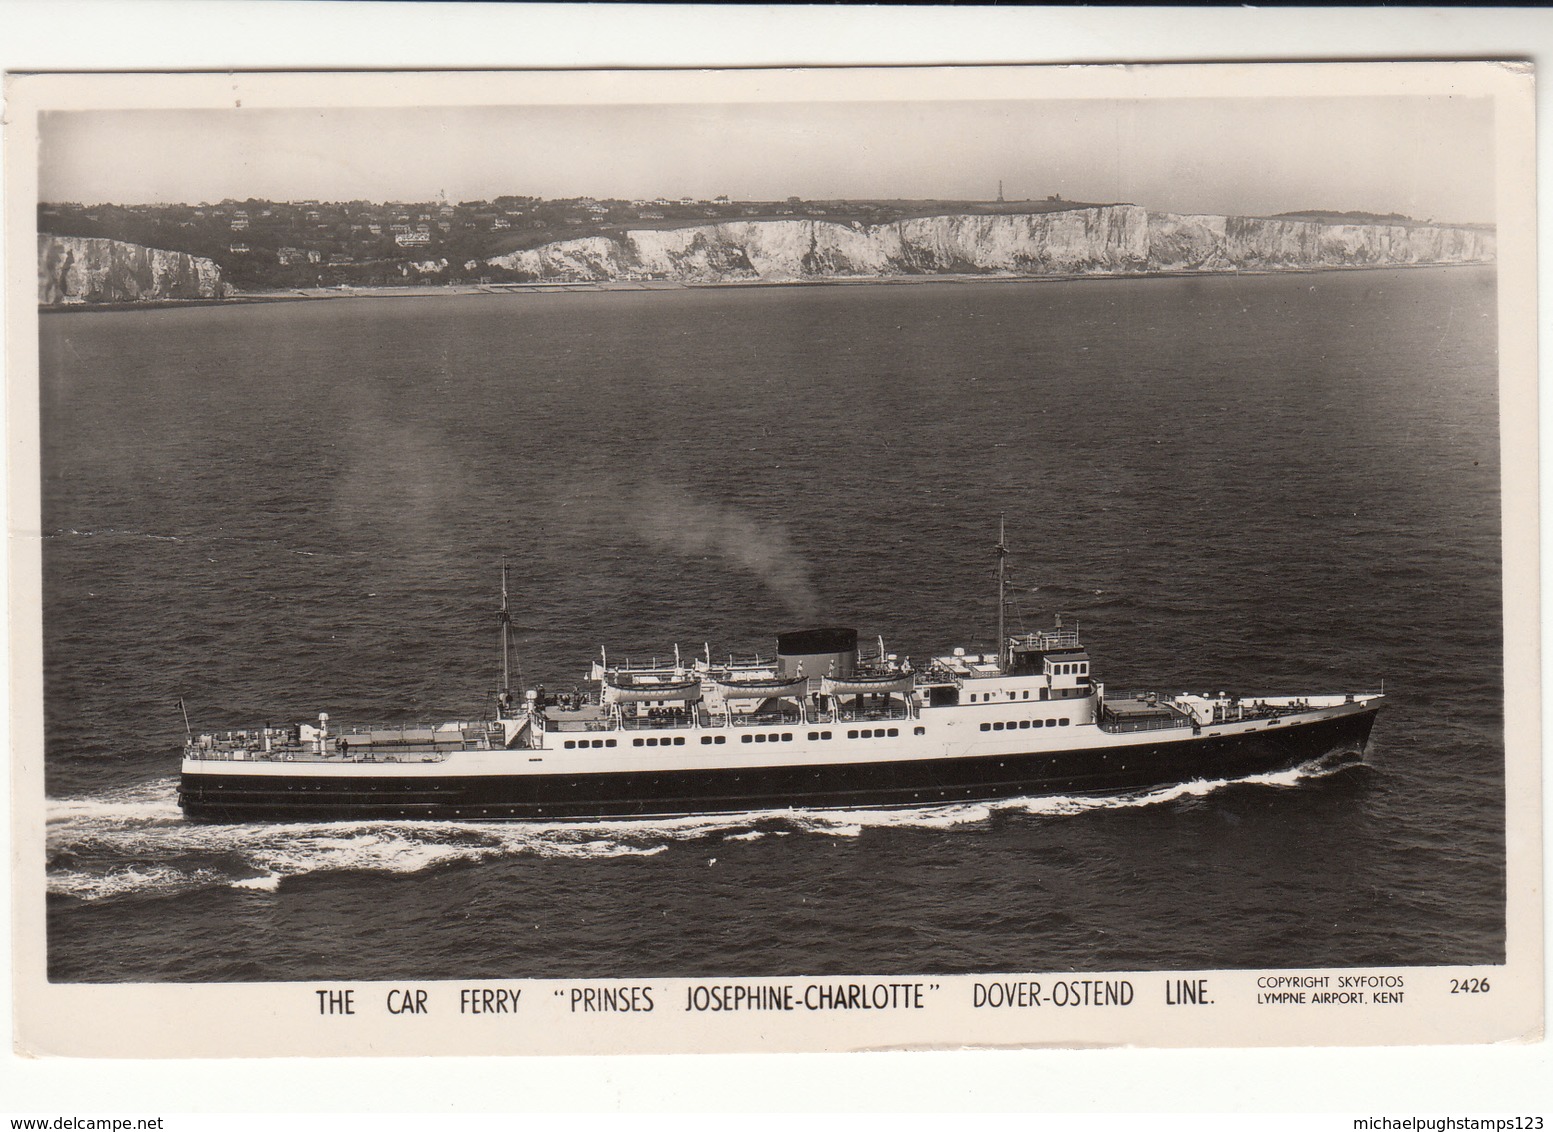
1043, 665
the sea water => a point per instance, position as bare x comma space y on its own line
1255, 484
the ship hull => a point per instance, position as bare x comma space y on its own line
232, 794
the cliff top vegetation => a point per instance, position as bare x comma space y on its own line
1327, 216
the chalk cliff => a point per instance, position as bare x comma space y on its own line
1111, 240
78, 269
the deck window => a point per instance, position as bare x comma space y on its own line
1063, 722
706, 740
919, 730
637, 742
986, 727
998, 726
787, 736
746, 738
853, 734
894, 732
679, 741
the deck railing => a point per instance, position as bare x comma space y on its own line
763, 718
669, 723
1048, 639
306, 754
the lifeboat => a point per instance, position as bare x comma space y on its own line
763, 688
863, 685
641, 692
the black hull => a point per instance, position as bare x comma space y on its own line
236, 797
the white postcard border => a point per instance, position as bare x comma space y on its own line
68, 1007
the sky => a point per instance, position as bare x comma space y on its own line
1429, 157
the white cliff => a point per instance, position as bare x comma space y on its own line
79, 269
1110, 240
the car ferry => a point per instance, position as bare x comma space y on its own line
820, 723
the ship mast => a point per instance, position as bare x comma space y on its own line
504, 619
1002, 553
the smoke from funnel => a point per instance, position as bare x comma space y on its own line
669, 518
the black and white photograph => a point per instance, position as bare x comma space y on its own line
826, 558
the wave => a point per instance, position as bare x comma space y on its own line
134, 843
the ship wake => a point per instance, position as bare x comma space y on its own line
134, 842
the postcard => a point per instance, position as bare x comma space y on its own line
774, 560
